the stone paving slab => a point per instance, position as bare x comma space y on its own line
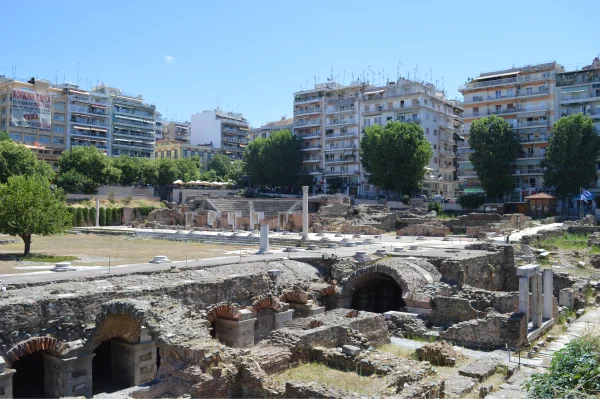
480, 369
457, 386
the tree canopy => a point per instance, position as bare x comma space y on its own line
4, 136
570, 161
84, 169
495, 150
131, 169
29, 206
276, 160
394, 156
221, 164
16, 160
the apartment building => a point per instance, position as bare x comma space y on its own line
158, 127
132, 123
269, 128
88, 118
180, 131
31, 116
525, 97
331, 119
225, 130
175, 149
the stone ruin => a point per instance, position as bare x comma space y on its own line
228, 330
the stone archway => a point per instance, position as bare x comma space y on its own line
378, 293
31, 345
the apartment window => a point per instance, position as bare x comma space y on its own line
509, 92
427, 130
414, 116
435, 160
58, 129
435, 132
29, 139
59, 117
529, 90
15, 137
168, 153
44, 139
498, 93
367, 107
4, 98
401, 103
58, 140
530, 150
475, 111
435, 147
426, 115
366, 122
3, 124
59, 105
498, 109
3, 111
378, 120
389, 118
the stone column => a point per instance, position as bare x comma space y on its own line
6, 380
97, 211
133, 364
548, 294
189, 219
283, 317
536, 308
264, 239
524, 296
69, 376
305, 212
236, 333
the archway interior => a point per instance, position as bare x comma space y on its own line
264, 324
28, 381
104, 379
378, 293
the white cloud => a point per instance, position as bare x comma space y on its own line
168, 58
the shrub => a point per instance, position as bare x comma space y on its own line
117, 212
145, 210
102, 217
86, 216
573, 373
92, 216
471, 201
435, 206
78, 217
406, 200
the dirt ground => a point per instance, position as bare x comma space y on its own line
99, 250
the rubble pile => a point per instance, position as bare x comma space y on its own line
438, 353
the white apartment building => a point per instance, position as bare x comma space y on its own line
88, 118
225, 130
331, 119
132, 124
269, 128
525, 97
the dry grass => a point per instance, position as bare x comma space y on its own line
131, 203
349, 381
98, 250
496, 380
399, 351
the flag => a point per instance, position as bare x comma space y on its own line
586, 193
582, 197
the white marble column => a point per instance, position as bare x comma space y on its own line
97, 212
305, 212
264, 239
548, 294
524, 296
536, 308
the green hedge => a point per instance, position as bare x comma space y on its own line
471, 201
92, 216
102, 216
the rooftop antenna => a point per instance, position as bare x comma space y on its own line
78, 74
315, 80
217, 102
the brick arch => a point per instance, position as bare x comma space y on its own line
329, 290
397, 274
266, 302
296, 296
224, 310
31, 345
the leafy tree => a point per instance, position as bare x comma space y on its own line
29, 206
570, 162
471, 201
92, 216
221, 164
131, 169
4, 136
435, 206
406, 199
16, 159
87, 167
495, 150
86, 216
44, 170
275, 160
394, 156
102, 216
236, 172
187, 168
209, 175
573, 373
334, 184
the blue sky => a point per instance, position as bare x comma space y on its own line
188, 56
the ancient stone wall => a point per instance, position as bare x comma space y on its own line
429, 230
451, 310
494, 331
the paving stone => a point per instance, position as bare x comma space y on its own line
351, 350
480, 369
457, 386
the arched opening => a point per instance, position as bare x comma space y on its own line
377, 292
105, 377
264, 324
28, 381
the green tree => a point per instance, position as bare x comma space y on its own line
570, 161
29, 206
394, 156
495, 150
92, 216
85, 168
131, 169
334, 184
276, 160
188, 169
4, 136
221, 164
86, 216
15, 160
78, 217
102, 216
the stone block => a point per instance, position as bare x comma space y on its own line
480, 369
566, 297
528, 270
350, 350
458, 386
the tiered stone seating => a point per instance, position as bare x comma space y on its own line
273, 207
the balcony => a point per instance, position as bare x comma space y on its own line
128, 122
133, 145
89, 122
306, 100
466, 173
341, 135
129, 133
235, 140
542, 91
90, 144
340, 147
523, 172
409, 120
233, 148
308, 111
341, 122
332, 111
530, 124
489, 83
579, 98
89, 111
232, 130
313, 147
311, 159
534, 139
530, 155
133, 113
341, 160
447, 153
341, 172
88, 133
310, 135
306, 123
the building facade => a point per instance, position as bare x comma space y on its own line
180, 131
174, 149
524, 97
158, 127
34, 114
225, 130
133, 123
269, 128
331, 119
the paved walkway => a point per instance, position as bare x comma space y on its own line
517, 235
588, 323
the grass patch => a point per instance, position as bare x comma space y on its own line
48, 258
446, 216
398, 351
567, 241
349, 381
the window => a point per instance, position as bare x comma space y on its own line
3, 124
59, 105
3, 111
475, 111
435, 160
401, 103
425, 102
58, 140
29, 139
498, 93
528, 90
44, 139
435, 147
435, 132
15, 137
427, 130
367, 107
426, 115
389, 118
4, 98
58, 129
59, 117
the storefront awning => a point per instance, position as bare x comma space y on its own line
573, 89
80, 127
475, 190
499, 75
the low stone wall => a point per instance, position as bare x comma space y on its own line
451, 310
424, 230
494, 331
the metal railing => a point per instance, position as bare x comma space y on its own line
307, 111
308, 123
339, 147
307, 100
